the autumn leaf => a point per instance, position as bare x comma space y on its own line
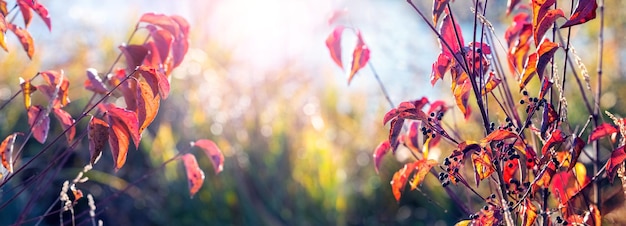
134, 55
517, 54
119, 140
123, 122
546, 22
98, 134
380, 151
438, 106
333, 42
66, 121
510, 168
94, 82
498, 135
529, 213
6, 151
617, 157
538, 61
438, 8
543, 180
3, 29
399, 180
548, 118
156, 80
195, 176
540, 9
585, 11
360, 56
147, 105
3, 8
439, 69
58, 83
213, 152
411, 137
423, 167
565, 185
25, 39
39, 122
39, 9
555, 139
163, 41
491, 83
162, 21
461, 96
450, 32
546, 84
577, 147
510, 6
483, 167
27, 92
394, 132
602, 130
27, 14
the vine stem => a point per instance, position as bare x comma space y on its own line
596, 113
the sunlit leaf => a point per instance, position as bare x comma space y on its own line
119, 140
617, 157
162, 21
39, 122
98, 135
66, 121
39, 9
147, 105
529, 70
546, 22
6, 151
333, 42
483, 167
3, 8
452, 35
394, 132
360, 56
518, 53
565, 185
123, 122
602, 130
538, 61
510, 169
27, 14
134, 55
27, 91
555, 139
438, 7
544, 179
94, 82
491, 84
195, 176
540, 9
498, 135
461, 96
529, 213
422, 168
53, 78
510, 6
156, 80
163, 41
440, 67
380, 151
212, 152
25, 39
585, 11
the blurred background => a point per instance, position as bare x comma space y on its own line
259, 81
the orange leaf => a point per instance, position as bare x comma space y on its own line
423, 167
333, 42
39, 122
124, 122
440, 67
119, 140
6, 152
556, 138
157, 80
213, 152
498, 135
491, 84
380, 151
483, 167
147, 105
546, 52
94, 82
461, 96
603, 130
617, 157
540, 9
25, 39
195, 176
98, 134
546, 22
360, 56
438, 8
27, 91
543, 180
529, 213
399, 180
585, 11
66, 121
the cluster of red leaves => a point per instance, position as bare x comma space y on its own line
27, 7
360, 54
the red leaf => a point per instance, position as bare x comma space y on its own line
157, 81
360, 56
565, 185
546, 22
440, 67
119, 140
390, 115
577, 147
449, 34
513, 32
163, 41
585, 11
134, 54
39, 122
411, 138
380, 151
617, 157
548, 117
423, 167
25, 39
66, 121
195, 176
147, 105
26, 13
27, 91
123, 122
556, 138
510, 6
213, 152
603, 130
394, 132
98, 134
333, 42
39, 9
181, 43
517, 54
94, 82
544, 179
438, 8
540, 9
509, 170
529, 70
483, 167
438, 106
498, 135
162, 21
182, 24
491, 84
6, 152
538, 61
53, 78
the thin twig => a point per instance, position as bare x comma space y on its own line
380, 84
596, 112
